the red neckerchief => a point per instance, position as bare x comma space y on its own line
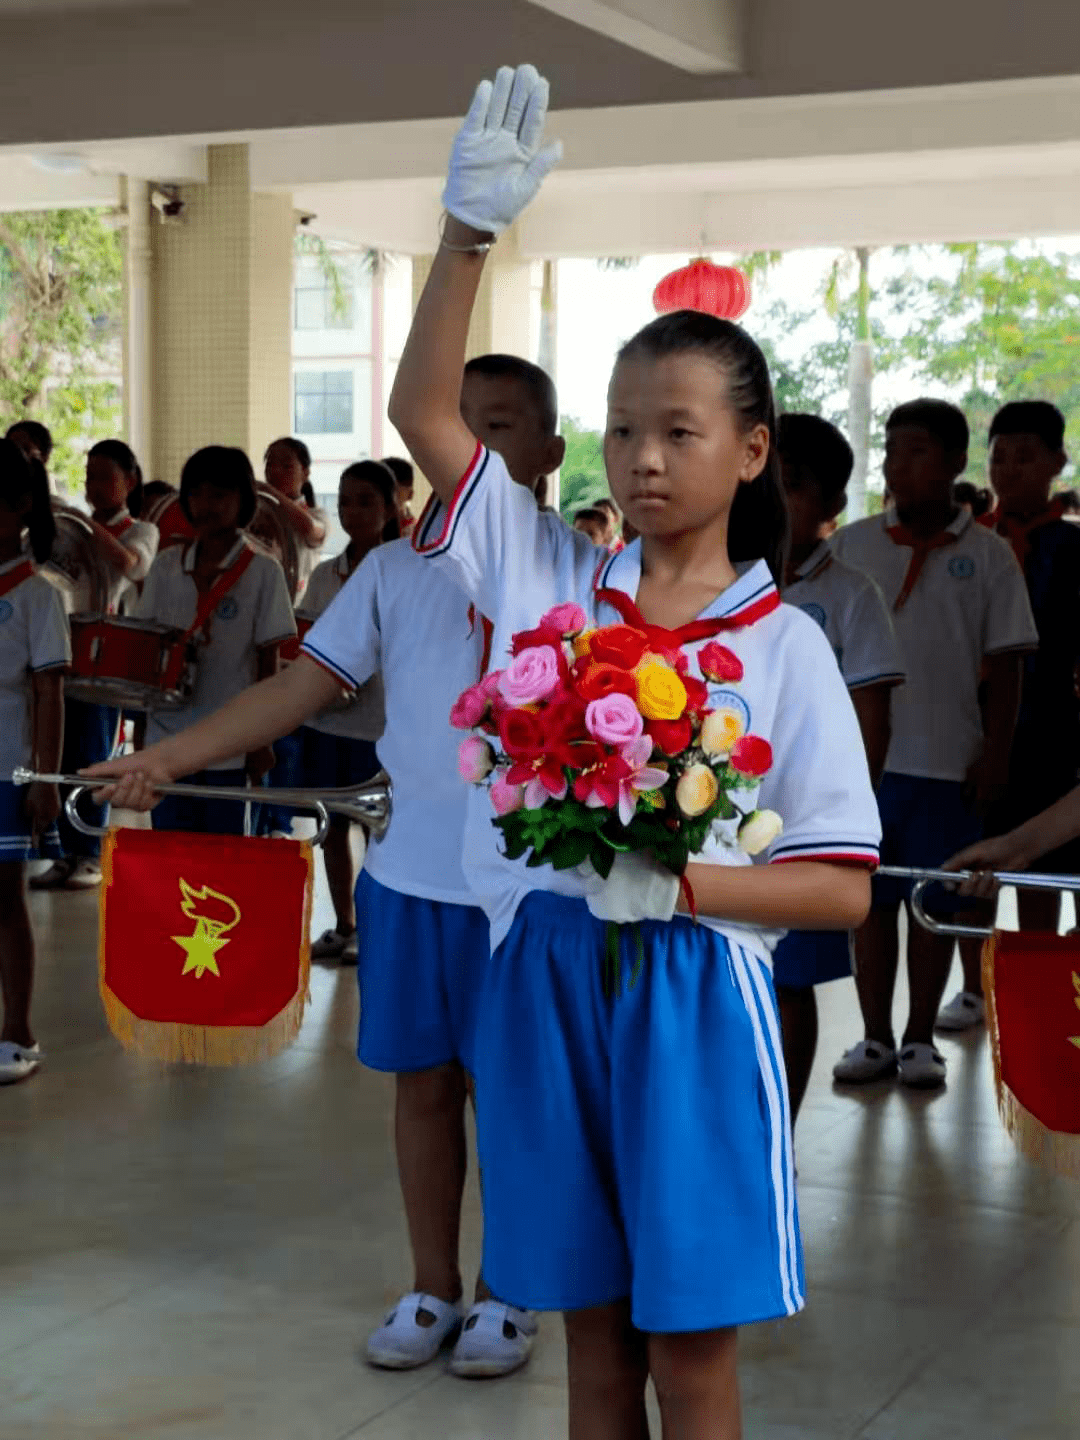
16, 576
489, 635
665, 640
921, 546
210, 599
1018, 532
120, 525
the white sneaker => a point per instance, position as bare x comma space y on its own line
55, 877
496, 1339
963, 1012
18, 1062
921, 1067
85, 876
865, 1062
332, 945
402, 1343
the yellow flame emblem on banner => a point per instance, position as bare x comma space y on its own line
1075, 1039
214, 915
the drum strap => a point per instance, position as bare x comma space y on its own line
16, 577
209, 602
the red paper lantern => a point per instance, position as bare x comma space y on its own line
719, 290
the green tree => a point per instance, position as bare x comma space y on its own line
582, 478
60, 304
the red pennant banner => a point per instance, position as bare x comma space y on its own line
203, 944
1032, 985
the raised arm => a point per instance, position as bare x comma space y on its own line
496, 168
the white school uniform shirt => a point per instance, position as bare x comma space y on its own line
515, 564
257, 611
969, 601
307, 556
141, 538
851, 610
364, 718
33, 637
399, 617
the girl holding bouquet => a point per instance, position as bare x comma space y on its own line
635, 1140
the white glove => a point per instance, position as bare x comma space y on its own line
637, 889
496, 164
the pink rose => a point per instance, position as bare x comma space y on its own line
614, 720
489, 685
506, 798
476, 759
531, 676
469, 708
569, 620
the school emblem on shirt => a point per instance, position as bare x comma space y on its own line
961, 567
6, 611
816, 613
228, 608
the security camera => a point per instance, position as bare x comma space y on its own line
166, 201
304, 218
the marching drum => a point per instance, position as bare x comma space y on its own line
75, 566
174, 528
131, 664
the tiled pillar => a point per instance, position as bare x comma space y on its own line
222, 334
138, 333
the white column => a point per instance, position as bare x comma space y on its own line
137, 320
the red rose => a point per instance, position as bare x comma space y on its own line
751, 755
619, 645
562, 721
522, 734
527, 639
596, 682
697, 694
672, 736
717, 662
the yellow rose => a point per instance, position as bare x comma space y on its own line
696, 791
721, 730
661, 695
582, 643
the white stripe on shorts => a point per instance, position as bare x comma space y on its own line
763, 1018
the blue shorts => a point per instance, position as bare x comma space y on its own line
328, 761
16, 842
192, 812
637, 1145
421, 966
923, 823
812, 957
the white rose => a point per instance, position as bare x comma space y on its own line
759, 830
696, 791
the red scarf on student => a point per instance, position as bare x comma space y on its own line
921, 546
1018, 532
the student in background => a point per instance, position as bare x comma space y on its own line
977, 498
962, 616
593, 522
405, 481
287, 468
611, 510
33, 438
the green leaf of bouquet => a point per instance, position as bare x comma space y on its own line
602, 857
571, 850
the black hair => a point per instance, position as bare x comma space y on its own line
945, 422
40, 434
976, 497
401, 470
606, 503
757, 526
1031, 417
307, 490
379, 475
226, 468
1070, 500
298, 448
537, 382
591, 513
22, 479
813, 447
154, 489
123, 457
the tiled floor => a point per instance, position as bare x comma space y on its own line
196, 1255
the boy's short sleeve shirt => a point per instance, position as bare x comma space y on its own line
400, 619
255, 612
363, 716
517, 562
852, 612
33, 638
969, 602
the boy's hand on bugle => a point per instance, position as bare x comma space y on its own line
496, 163
133, 779
1003, 852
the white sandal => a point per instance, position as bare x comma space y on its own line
402, 1343
495, 1339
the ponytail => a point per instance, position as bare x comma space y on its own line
41, 522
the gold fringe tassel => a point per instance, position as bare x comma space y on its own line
1050, 1149
205, 1044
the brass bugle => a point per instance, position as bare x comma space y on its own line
1018, 879
368, 804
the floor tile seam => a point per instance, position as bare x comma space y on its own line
94, 1314
391, 1407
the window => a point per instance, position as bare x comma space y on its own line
317, 307
324, 402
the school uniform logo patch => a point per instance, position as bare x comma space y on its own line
961, 567
6, 611
816, 613
227, 609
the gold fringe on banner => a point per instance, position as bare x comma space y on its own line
1049, 1149
205, 1044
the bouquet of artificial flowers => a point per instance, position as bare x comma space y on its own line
596, 742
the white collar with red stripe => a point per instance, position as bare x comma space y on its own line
118, 521
956, 526
752, 594
188, 559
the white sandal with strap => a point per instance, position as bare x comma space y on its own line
403, 1343
495, 1339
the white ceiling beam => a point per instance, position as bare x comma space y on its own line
704, 37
